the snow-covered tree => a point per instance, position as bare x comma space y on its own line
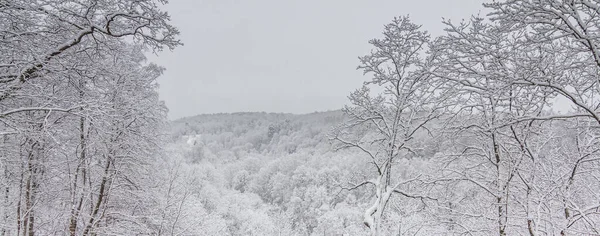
385, 126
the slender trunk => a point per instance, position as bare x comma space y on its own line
27, 203
76, 209
29, 195
499, 199
530, 225
74, 216
6, 208
570, 182
31, 189
565, 204
30, 227
525, 149
501, 226
31, 202
103, 191
19, 202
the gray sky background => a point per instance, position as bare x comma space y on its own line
280, 56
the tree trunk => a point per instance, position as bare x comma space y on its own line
502, 208
19, 201
6, 207
30, 188
374, 214
102, 192
76, 204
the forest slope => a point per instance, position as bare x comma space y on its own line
271, 174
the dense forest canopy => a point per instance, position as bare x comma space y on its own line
451, 135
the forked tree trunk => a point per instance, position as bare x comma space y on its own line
373, 215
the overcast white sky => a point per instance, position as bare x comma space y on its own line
280, 56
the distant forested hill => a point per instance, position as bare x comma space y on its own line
268, 174
258, 132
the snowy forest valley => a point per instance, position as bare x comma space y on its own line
492, 128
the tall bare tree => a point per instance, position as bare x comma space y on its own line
384, 127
